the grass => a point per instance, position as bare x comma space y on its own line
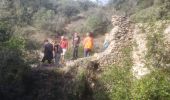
69, 53
118, 82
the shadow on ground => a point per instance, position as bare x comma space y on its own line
56, 85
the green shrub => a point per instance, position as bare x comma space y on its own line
15, 43
12, 68
154, 86
69, 9
117, 79
157, 54
5, 34
142, 4
118, 83
79, 85
97, 23
153, 13
42, 18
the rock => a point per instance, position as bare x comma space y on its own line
167, 34
139, 53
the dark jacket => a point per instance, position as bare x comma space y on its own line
48, 51
76, 41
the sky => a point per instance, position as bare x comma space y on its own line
101, 1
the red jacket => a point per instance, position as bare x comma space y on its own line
64, 44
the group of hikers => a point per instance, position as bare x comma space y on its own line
57, 50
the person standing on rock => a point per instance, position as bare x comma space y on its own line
88, 44
57, 53
48, 52
64, 46
106, 41
75, 43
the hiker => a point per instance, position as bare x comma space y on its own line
64, 46
48, 52
106, 41
75, 43
57, 52
88, 45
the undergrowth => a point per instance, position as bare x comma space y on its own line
119, 84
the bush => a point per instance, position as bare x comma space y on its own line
142, 4
79, 85
153, 13
12, 68
117, 81
68, 9
120, 85
155, 86
86, 4
43, 18
96, 22
5, 34
158, 51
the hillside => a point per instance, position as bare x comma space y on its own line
135, 65
142, 10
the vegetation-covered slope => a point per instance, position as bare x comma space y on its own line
20, 19
143, 10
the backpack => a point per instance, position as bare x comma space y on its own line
105, 45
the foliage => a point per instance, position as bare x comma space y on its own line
155, 49
97, 22
158, 52
70, 52
12, 70
43, 18
17, 43
79, 85
50, 15
18, 82
86, 4
5, 33
153, 13
12, 66
69, 8
142, 10
155, 86
117, 79
118, 82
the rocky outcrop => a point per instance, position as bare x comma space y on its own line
139, 52
167, 34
